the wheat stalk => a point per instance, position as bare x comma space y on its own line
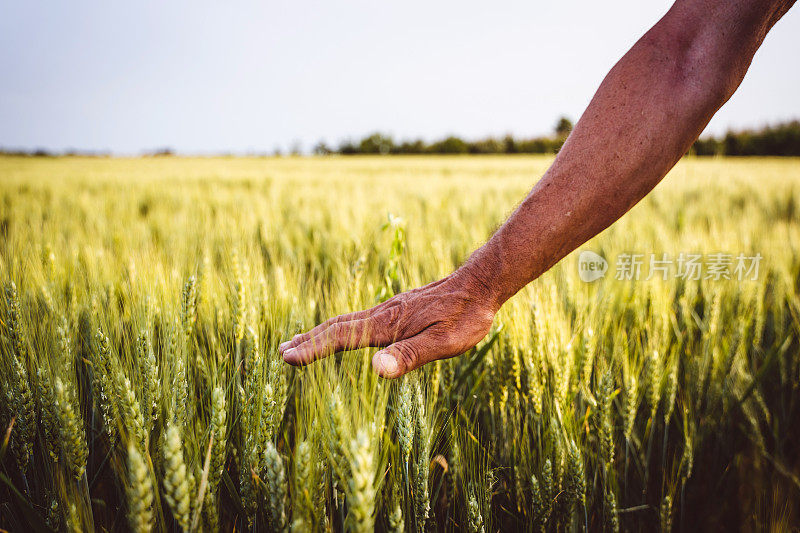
73, 437
610, 512
360, 486
148, 369
218, 434
49, 413
395, 518
474, 518
422, 467
189, 306
132, 414
176, 478
603, 422
106, 394
304, 483
575, 483
665, 514
275, 479
139, 492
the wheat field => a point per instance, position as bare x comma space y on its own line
144, 300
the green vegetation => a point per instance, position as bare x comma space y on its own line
778, 140
143, 301
381, 144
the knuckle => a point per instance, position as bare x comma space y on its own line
346, 332
336, 330
374, 327
335, 319
338, 335
391, 321
329, 323
304, 355
393, 312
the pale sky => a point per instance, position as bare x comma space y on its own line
204, 77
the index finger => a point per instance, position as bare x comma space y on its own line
303, 337
341, 336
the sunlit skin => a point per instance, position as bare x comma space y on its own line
644, 116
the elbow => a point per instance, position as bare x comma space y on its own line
698, 73
709, 45
706, 75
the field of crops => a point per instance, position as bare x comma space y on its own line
144, 300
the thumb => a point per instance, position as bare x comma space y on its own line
404, 356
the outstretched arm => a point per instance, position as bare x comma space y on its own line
647, 112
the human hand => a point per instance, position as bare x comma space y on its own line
439, 320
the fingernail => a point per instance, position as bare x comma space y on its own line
282, 346
289, 354
385, 364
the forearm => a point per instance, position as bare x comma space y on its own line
646, 113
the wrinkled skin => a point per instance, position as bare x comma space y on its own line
439, 320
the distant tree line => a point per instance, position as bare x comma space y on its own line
379, 143
779, 140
